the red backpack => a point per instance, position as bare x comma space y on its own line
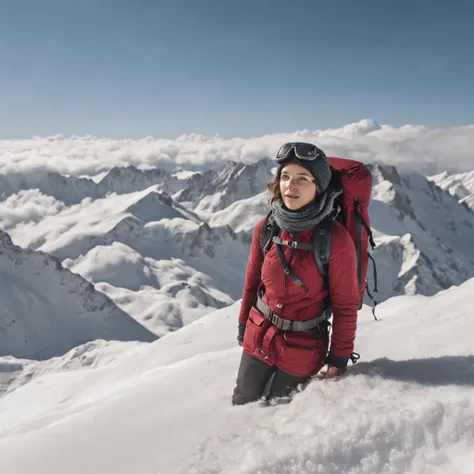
351, 209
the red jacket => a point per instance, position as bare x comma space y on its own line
299, 353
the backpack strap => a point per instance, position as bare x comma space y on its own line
269, 235
322, 248
293, 244
358, 242
375, 287
322, 251
269, 230
287, 268
359, 220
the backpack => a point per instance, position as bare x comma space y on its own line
351, 209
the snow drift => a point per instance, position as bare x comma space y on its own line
407, 406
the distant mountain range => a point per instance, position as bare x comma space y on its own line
167, 248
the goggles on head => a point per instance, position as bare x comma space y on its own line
302, 151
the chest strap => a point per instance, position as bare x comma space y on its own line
289, 324
293, 244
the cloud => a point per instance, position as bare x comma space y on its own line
54, 224
427, 150
27, 207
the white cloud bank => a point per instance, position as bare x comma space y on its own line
27, 207
427, 150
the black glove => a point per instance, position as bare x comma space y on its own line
240, 337
341, 362
337, 361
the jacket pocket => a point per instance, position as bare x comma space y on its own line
258, 339
254, 331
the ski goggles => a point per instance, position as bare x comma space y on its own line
302, 151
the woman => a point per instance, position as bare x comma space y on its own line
282, 321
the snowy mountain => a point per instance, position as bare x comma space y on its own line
72, 190
107, 265
67, 189
459, 185
406, 406
163, 295
121, 276
234, 182
167, 259
47, 310
423, 234
241, 216
132, 247
76, 229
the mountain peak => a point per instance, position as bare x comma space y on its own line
68, 311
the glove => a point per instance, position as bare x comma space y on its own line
337, 361
341, 362
240, 336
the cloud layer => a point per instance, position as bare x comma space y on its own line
426, 150
27, 207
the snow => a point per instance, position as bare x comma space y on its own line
241, 216
162, 295
68, 232
47, 310
183, 174
459, 185
187, 297
423, 234
141, 254
117, 235
407, 406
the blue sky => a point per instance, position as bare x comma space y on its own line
132, 68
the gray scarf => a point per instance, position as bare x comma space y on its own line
306, 217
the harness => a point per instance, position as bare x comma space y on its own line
289, 324
321, 248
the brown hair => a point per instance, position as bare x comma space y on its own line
273, 187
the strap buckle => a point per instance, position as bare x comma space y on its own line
280, 323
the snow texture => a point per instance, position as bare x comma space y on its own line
407, 406
122, 268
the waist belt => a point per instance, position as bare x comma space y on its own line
288, 324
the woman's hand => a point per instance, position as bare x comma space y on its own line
332, 372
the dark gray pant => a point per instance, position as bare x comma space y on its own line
253, 377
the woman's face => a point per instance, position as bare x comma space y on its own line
297, 186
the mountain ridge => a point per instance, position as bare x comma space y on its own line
47, 310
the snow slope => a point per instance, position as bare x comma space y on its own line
127, 241
163, 295
72, 189
407, 406
234, 182
460, 185
241, 216
423, 234
47, 310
